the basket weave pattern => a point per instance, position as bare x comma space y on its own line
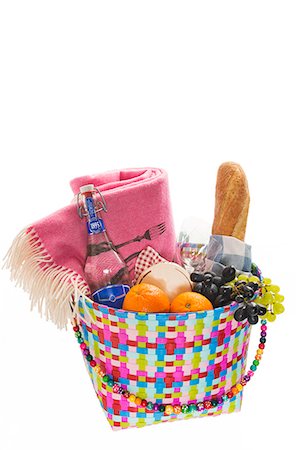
164, 358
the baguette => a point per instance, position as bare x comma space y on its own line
231, 201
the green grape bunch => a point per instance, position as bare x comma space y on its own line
270, 297
267, 295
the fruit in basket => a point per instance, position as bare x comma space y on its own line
170, 277
271, 299
255, 297
190, 302
212, 286
265, 295
145, 297
228, 274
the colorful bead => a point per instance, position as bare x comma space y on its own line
263, 334
150, 406
263, 322
234, 391
200, 406
83, 346
92, 363
168, 410
239, 387
132, 398
246, 378
230, 394
138, 401
156, 407
260, 351
262, 346
126, 394
214, 403
258, 357
243, 382
263, 340
224, 398
86, 352
110, 383
80, 340
177, 409
105, 378
207, 404
185, 409
88, 357
264, 327
192, 407
76, 328
256, 362
250, 373
99, 371
144, 403
253, 368
220, 401
161, 408
78, 334
115, 388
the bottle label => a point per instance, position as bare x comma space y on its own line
95, 225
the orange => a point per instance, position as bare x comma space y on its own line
146, 297
190, 302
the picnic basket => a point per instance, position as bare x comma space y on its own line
148, 368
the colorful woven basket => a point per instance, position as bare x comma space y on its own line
168, 359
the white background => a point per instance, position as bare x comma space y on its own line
92, 86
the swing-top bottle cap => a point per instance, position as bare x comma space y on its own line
86, 188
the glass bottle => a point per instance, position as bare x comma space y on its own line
104, 265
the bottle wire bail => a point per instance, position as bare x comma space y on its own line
100, 203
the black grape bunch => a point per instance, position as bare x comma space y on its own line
224, 289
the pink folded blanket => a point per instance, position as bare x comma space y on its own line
47, 258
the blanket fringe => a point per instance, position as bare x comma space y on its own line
53, 289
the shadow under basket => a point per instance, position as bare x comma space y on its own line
151, 368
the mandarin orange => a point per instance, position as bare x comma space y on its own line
146, 297
190, 302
